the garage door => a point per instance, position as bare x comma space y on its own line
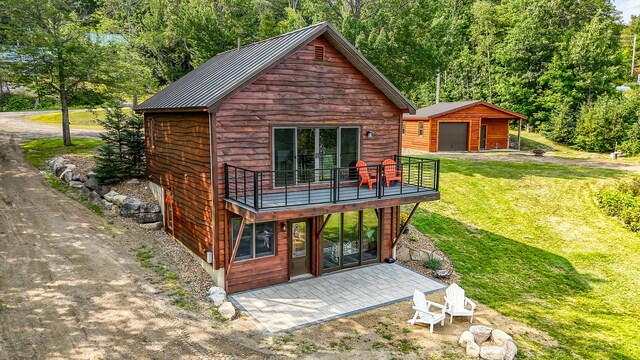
452, 136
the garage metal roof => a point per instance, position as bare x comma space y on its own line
228, 72
449, 107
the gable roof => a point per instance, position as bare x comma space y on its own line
228, 72
444, 108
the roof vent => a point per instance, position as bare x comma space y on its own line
319, 53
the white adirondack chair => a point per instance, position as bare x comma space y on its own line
423, 315
456, 302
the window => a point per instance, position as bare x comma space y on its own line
319, 53
403, 128
420, 128
169, 216
152, 133
257, 239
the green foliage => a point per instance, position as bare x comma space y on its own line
36, 152
16, 102
561, 126
623, 202
122, 154
433, 264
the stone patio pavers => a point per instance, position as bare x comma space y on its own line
310, 301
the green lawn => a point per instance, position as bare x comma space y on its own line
78, 119
38, 151
531, 243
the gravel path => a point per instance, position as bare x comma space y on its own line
68, 292
14, 123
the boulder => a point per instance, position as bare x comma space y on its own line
492, 352
145, 218
510, 350
109, 196
500, 337
227, 310
216, 295
82, 177
133, 182
419, 255
77, 177
129, 207
76, 184
442, 273
102, 190
149, 207
94, 197
53, 164
92, 182
85, 191
152, 226
465, 338
105, 204
480, 333
403, 254
68, 175
472, 349
118, 199
59, 170
115, 209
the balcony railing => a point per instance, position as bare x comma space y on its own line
303, 187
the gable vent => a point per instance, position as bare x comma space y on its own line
319, 53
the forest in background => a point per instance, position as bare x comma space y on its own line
557, 62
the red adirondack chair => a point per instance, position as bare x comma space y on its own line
391, 172
366, 177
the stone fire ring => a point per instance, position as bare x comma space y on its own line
487, 343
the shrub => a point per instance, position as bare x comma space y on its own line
623, 203
413, 237
16, 102
84, 97
433, 264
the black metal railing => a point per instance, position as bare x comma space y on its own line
302, 187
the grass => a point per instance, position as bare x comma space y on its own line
530, 242
38, 151
78, 119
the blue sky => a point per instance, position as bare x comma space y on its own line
628, 8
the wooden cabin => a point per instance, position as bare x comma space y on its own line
253, 157
459, 126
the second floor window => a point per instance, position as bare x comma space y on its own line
420, 128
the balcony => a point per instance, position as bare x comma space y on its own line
259, 195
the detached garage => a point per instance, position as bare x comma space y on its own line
459, 126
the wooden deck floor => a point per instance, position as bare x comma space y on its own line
294, 199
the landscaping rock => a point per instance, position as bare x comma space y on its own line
149, 207
82, 178
465, 338
115, 210
54, 164
76, 177
418, 255
109, 196
85, 191
152, 226
91, 182
227, 310
443, 274
129, 207
105, 204
76, 184
94, 197
145, 218
59, 170
492, 352
480, 333
500, 337
216, 295
133, 182
102, 190
68, 175
403, 254
473, 349
510, 350
118, 199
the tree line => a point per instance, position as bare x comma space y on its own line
550, 60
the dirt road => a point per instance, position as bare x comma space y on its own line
65, 293
15, 123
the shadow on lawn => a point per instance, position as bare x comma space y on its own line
520, 281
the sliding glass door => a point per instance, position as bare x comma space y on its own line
350, 239
313, 153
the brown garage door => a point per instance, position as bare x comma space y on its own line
452, 136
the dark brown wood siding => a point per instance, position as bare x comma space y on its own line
179, 161
497, 133
299, 91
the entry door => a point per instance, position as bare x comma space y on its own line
483, 137
300, 247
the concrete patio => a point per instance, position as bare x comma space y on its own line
303, 303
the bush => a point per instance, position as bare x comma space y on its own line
84, 97
433, 264
623, 203
16, 102
560, 127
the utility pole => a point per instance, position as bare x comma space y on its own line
438, 88
633, 56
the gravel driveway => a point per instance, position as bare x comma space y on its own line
14, 123
67, 293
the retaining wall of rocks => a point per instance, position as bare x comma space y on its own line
147, 214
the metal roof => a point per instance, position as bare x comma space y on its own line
448, 107
228, 72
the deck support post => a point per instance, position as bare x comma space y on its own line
233, 253
404, 226
519, 130
323, 225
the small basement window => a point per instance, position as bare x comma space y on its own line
420, 128
257, 239
319, 53
152, 132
